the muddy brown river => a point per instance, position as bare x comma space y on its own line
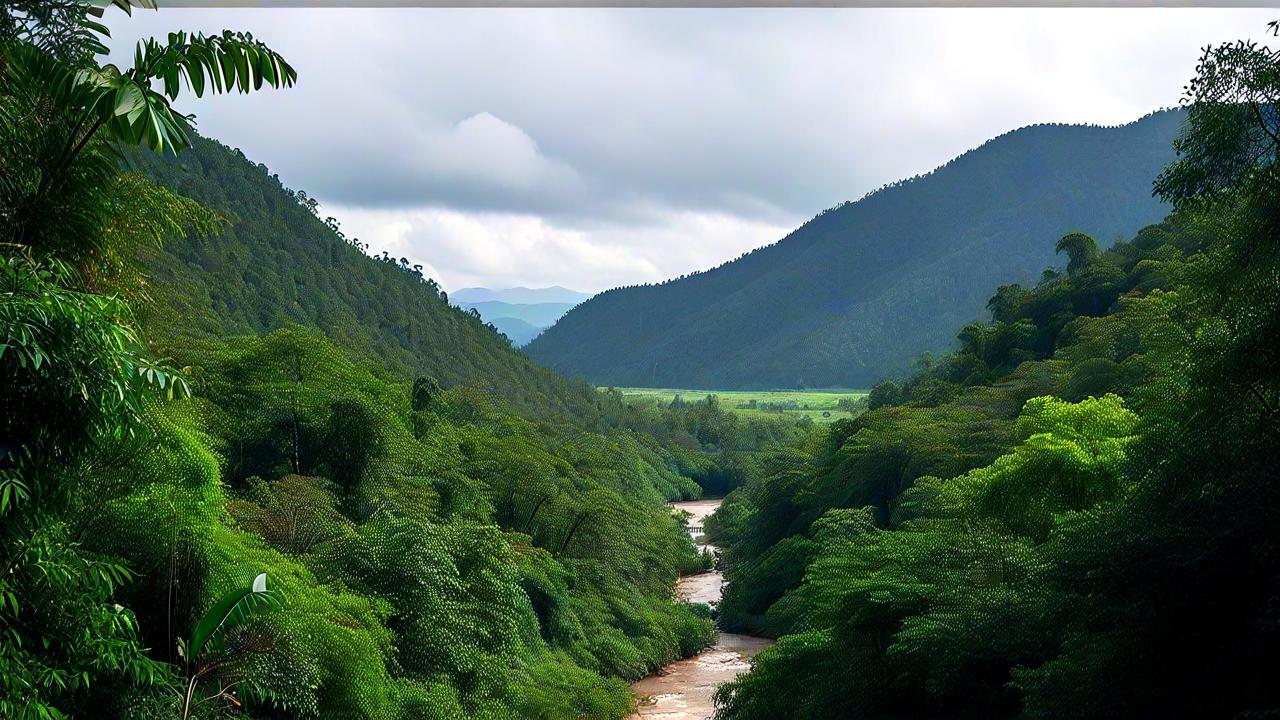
684, 689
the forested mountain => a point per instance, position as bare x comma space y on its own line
337, 496
1073, 514
854, 294
275, 264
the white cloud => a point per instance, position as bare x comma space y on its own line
588, 128
463, 249
490, 152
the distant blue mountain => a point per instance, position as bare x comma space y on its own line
519, 313
538, 314
517, 331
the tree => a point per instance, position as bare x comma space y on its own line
424, 394
423, 399
1007, 302
1080, 249
1232, 136
73, 381
353, 440
885, 393
63, 103
75, 376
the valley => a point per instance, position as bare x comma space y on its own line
518, 313
253, 466
685, 689
818, 405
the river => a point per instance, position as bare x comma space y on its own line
683, 690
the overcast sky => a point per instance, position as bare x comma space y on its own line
595, 148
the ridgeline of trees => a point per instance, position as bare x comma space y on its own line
1074, 515
248, 470
276, 263
858, 291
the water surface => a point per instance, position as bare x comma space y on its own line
684, 689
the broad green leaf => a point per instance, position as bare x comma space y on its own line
231, 610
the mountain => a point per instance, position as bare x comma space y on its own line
517, 331
520, 313
277, 264
447, 550
520, 322
520, 295
858, 291
539, 314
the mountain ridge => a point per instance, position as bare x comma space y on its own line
278, 264
859, 290
516, 330
545, 312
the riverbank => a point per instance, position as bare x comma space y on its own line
685, 689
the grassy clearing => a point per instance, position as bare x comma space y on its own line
821, 405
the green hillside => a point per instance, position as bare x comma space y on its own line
348, 499
1073, 514
277, 264
856, 293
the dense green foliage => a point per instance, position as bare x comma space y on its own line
365, 505
77, 385
486, 555
339, 497
718, 448
277, 264
1072, 516
852, 295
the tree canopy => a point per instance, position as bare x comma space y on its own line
1068, 516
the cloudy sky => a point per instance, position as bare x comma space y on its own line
595, 148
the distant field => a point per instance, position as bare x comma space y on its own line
821, 405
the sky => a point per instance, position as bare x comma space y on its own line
592, 148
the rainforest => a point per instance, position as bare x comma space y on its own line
252, 467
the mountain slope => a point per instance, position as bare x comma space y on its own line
277, 264
856, 292
517, 331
